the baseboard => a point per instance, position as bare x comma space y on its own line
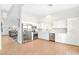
66, 43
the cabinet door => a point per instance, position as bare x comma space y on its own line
43, 35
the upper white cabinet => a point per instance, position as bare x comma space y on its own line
59, 26
60, 23
58, 30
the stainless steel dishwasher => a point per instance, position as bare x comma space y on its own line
35, 35
52, 37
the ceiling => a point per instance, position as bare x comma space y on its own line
6, 6
45, 9
41, 9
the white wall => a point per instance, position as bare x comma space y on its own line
0, 31
26, 17
12, 18
0, 36
29, 19
68, 13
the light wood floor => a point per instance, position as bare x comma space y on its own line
36, 47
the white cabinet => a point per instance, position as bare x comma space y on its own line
72, 35
60, 37
58, 30
60, 23
43, 35
59, 26
73, 31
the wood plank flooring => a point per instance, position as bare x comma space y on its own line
36, 47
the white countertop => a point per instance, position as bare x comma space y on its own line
58, 30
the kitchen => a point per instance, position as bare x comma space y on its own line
52, 23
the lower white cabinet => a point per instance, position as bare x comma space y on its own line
43, 35
60, 37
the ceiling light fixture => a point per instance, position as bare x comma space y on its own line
50, 4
